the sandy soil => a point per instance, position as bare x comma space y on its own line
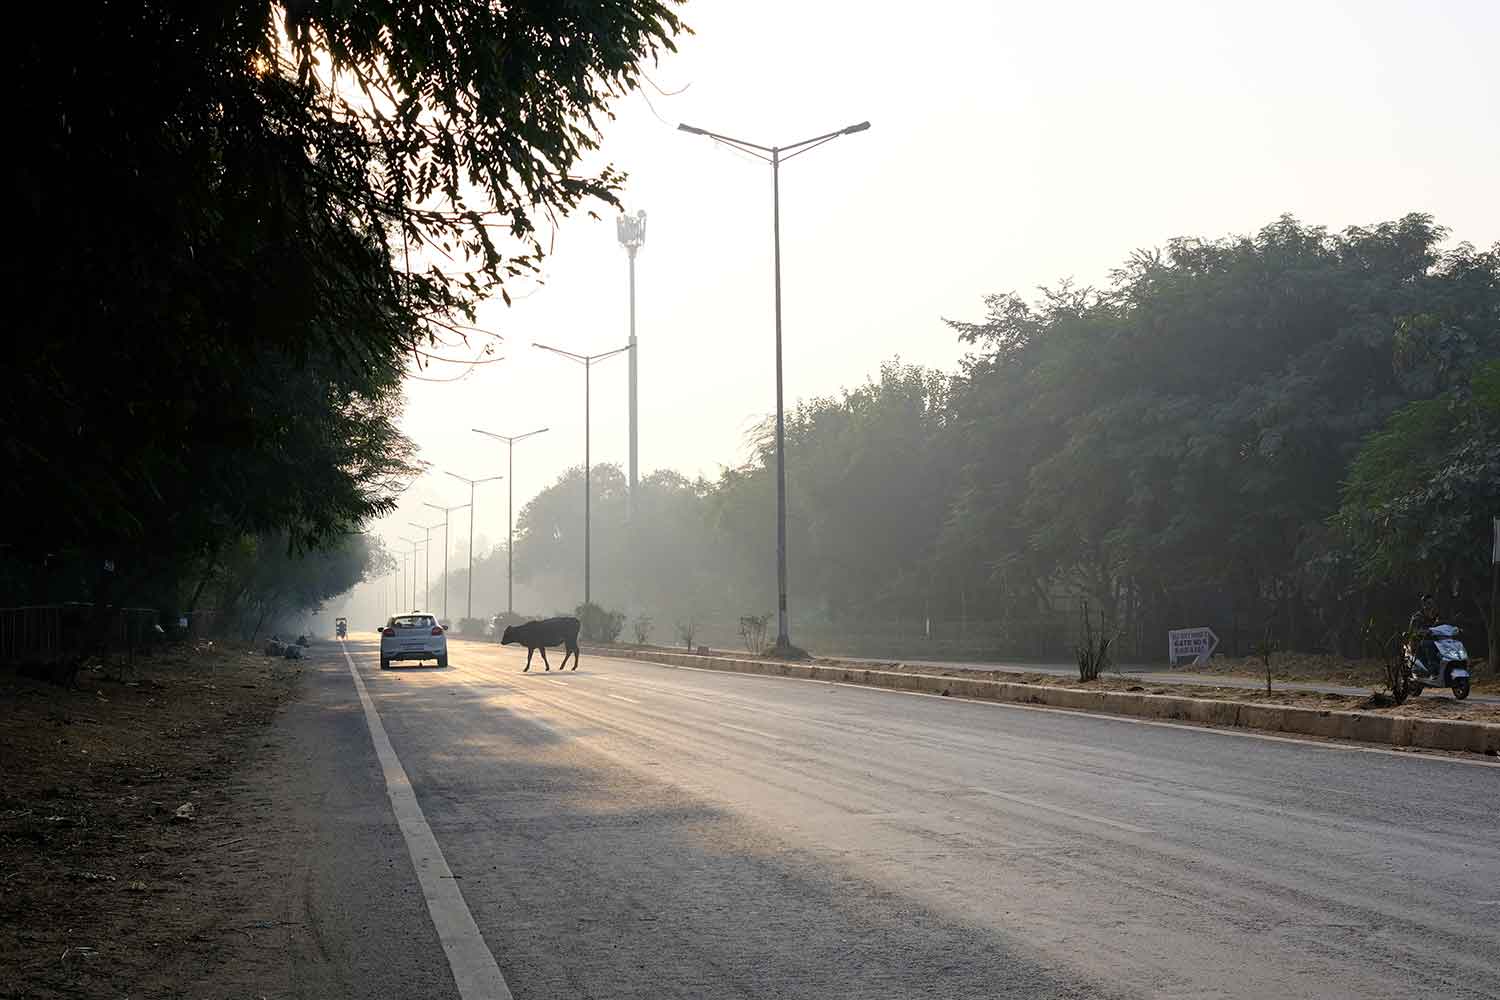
115, 800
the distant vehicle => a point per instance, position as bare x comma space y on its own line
540, 635
416, 636
341, 627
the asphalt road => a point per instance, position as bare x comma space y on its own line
632, 830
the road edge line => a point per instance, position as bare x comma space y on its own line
475, 971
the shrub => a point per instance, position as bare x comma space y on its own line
642, 627
598, 625
1093, 648
753, 631
471, 626
686, 631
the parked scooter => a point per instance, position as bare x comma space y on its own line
1446, 665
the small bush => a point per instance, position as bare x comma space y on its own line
1093, 648
471, 627
642, 629
753, 632
686, 631
598, 625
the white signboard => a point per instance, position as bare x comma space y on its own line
1199, 643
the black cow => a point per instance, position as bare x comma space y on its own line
540, 635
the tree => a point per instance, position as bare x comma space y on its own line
1421, 494
230, 209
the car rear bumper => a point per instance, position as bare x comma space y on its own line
412, 654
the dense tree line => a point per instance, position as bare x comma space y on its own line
1296, 430
228, 214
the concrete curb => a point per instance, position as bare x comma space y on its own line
1365, 727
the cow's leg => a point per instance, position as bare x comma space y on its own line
544, 657
568, 651
573, 648
529, 651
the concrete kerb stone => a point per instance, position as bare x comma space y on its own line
1435, 734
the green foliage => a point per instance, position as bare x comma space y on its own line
598, 625
1093, 646
230, 209
1294, 426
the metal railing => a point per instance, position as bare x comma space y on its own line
56, 633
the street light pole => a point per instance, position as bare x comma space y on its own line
510, 500
412, 574
448, 544
775, 156
469, 605
632, 233
587, 360
426, 562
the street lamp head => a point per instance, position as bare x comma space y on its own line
689, 128
862, 126
631, 230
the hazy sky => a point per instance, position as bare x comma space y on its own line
1013, 144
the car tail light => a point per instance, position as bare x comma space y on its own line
437, 630
388, 631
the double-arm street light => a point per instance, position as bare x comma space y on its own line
776, 156
426, 565
510, 500
631, 230
469, 605
412, 573
448, 544
587, 360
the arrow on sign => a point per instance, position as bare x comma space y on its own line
1199, 643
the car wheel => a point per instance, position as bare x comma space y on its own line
385, 664
442, 663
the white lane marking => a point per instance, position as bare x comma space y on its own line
621, 697
747, 729
474, 970
1048, 807
1414, 753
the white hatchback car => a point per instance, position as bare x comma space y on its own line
416, 636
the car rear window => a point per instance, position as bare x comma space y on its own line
413, 621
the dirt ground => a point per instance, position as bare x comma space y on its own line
1428, 705
114, 801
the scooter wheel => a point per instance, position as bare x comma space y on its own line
1461, 688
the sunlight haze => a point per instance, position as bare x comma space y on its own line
1012, 145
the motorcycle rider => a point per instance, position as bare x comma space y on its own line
1425, 617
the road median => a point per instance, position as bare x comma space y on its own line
1365, 727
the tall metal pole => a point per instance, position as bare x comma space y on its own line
587, 472
448, 537
510, 500
587, 360
631, 230
469, 603
783, 638
427, 557
473, 483
774, 155
634, 452
510, 527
